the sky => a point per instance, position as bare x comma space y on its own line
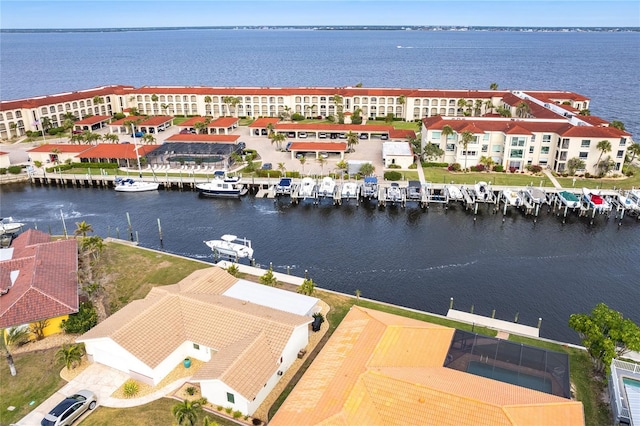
176, 13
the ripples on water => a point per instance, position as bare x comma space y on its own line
406, 256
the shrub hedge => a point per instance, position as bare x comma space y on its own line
393, 175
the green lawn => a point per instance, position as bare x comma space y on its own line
441, 175
587, 388
37, 379
625, 183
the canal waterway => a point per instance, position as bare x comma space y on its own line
410, 257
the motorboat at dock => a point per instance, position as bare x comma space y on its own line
231, 247
8, 226
414, 190
453, 193
307, 188
482, 192
370, 187
349, 190
327, 187
511, 197
569, 199
284, 186
535, 195
222, 186
134, 185
595, 200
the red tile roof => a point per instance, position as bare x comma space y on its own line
264, 122
192, 121
4, 153
46, 285
122, 121
62, 97
94, 119
557, 95
224, 122
156, 120
334, 127
61, 147
189, 137
505, 125
402, 134
318, 146
594, 132
119, 151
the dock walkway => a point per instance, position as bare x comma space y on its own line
508, 326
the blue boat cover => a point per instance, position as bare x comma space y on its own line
371, 179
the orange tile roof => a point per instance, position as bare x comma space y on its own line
380, 369
46, 285
61, 147
94, 119
192, 121
156, 120
334, 127
189, 137
318, 146
402, 134
118, 150
224, 122
123, 121
62, 97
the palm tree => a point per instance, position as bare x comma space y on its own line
603, 146
310, 109
148, 138
462, 104
446, 132
358, 293
617, 124
282, 168
277, 138
504, 112
466, 139
493, 86
154, 98
352, 139
208, 422
488, 104
402, 100
477, 109
83, 228
69, 116
110, 138
200, 126
634, 150
71, 355
165, 108
522, 109
90, 137
233, 269
46, 123
270, 128
7, 354
187, 412
303, 160
322, 162
574, 164
367, 169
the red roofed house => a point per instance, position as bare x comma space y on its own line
38, 281
52, 153
123, 154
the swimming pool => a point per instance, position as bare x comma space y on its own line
510, 376
632, 389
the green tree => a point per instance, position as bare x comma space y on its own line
617, 124
90, 138
200, 127
603, 146
389, 118
634, 150
83, 228
92, 245
585, 112
493, 86
477, 107
46, 123
71, 355
574, 164
97, 100
110, 138
488, 105
302, 160
282, 168
462, 104
233, 270
322, 161
208, 422
165, 108
606, 334
37, 328
269, 279
307, 287
605, 165
17, 336
367, 169
69, 116
446, 132
154, 98
7, 354
148, 138
523, 109
504, 112
487, 162
186, 412
432, 152
277, 139
352, 139
81, 322
402, 100
466, 139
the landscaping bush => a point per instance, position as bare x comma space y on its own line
268, 173
432, 164
131, 389
119, 115
393, 176
15, 170
587, 175
413, 166
455, 167
33, 134
513, 169
191, 390
3, 171
256, 422
228, 410
297, 117
83, 321
394, 166
56, 130
478, 168
237, 414
534, 168
498, 168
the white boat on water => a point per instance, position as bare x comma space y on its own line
482, 191
284, 187
307, 188
453, 193
134, 185
394, 193
327, 187
222, 186
627, 203
634, 196
231, 246
349, 190
511, 197
569, 199
595, 200
8, 226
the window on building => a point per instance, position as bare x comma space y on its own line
544, 150
518, 141
485, 137
583, 155
531, 149
546, 138
623, 141
451, 147
620, 154
485, 148
585, 143
563, 156
565, 143
196, 346
516, 153
496, 148
231, 398
436, 135
618, 166
471, 153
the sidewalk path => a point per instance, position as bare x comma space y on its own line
552, 178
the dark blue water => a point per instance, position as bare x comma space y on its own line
602, 66
403, 256
407, 257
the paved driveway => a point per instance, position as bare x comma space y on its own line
97, 378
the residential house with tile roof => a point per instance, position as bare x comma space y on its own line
38, 281
383, 369
245, 344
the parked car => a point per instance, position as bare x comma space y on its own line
364, 136
300, 155
302, 135
288, 146
70, 409
384, 137
137, 135
78, 132
324, 155
267, 166
322, 135
291, 134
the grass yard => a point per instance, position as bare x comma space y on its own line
588, 389
33, 382
441, 175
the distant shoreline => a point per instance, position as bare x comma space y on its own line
331, 28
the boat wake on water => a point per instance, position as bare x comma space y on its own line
431, 268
